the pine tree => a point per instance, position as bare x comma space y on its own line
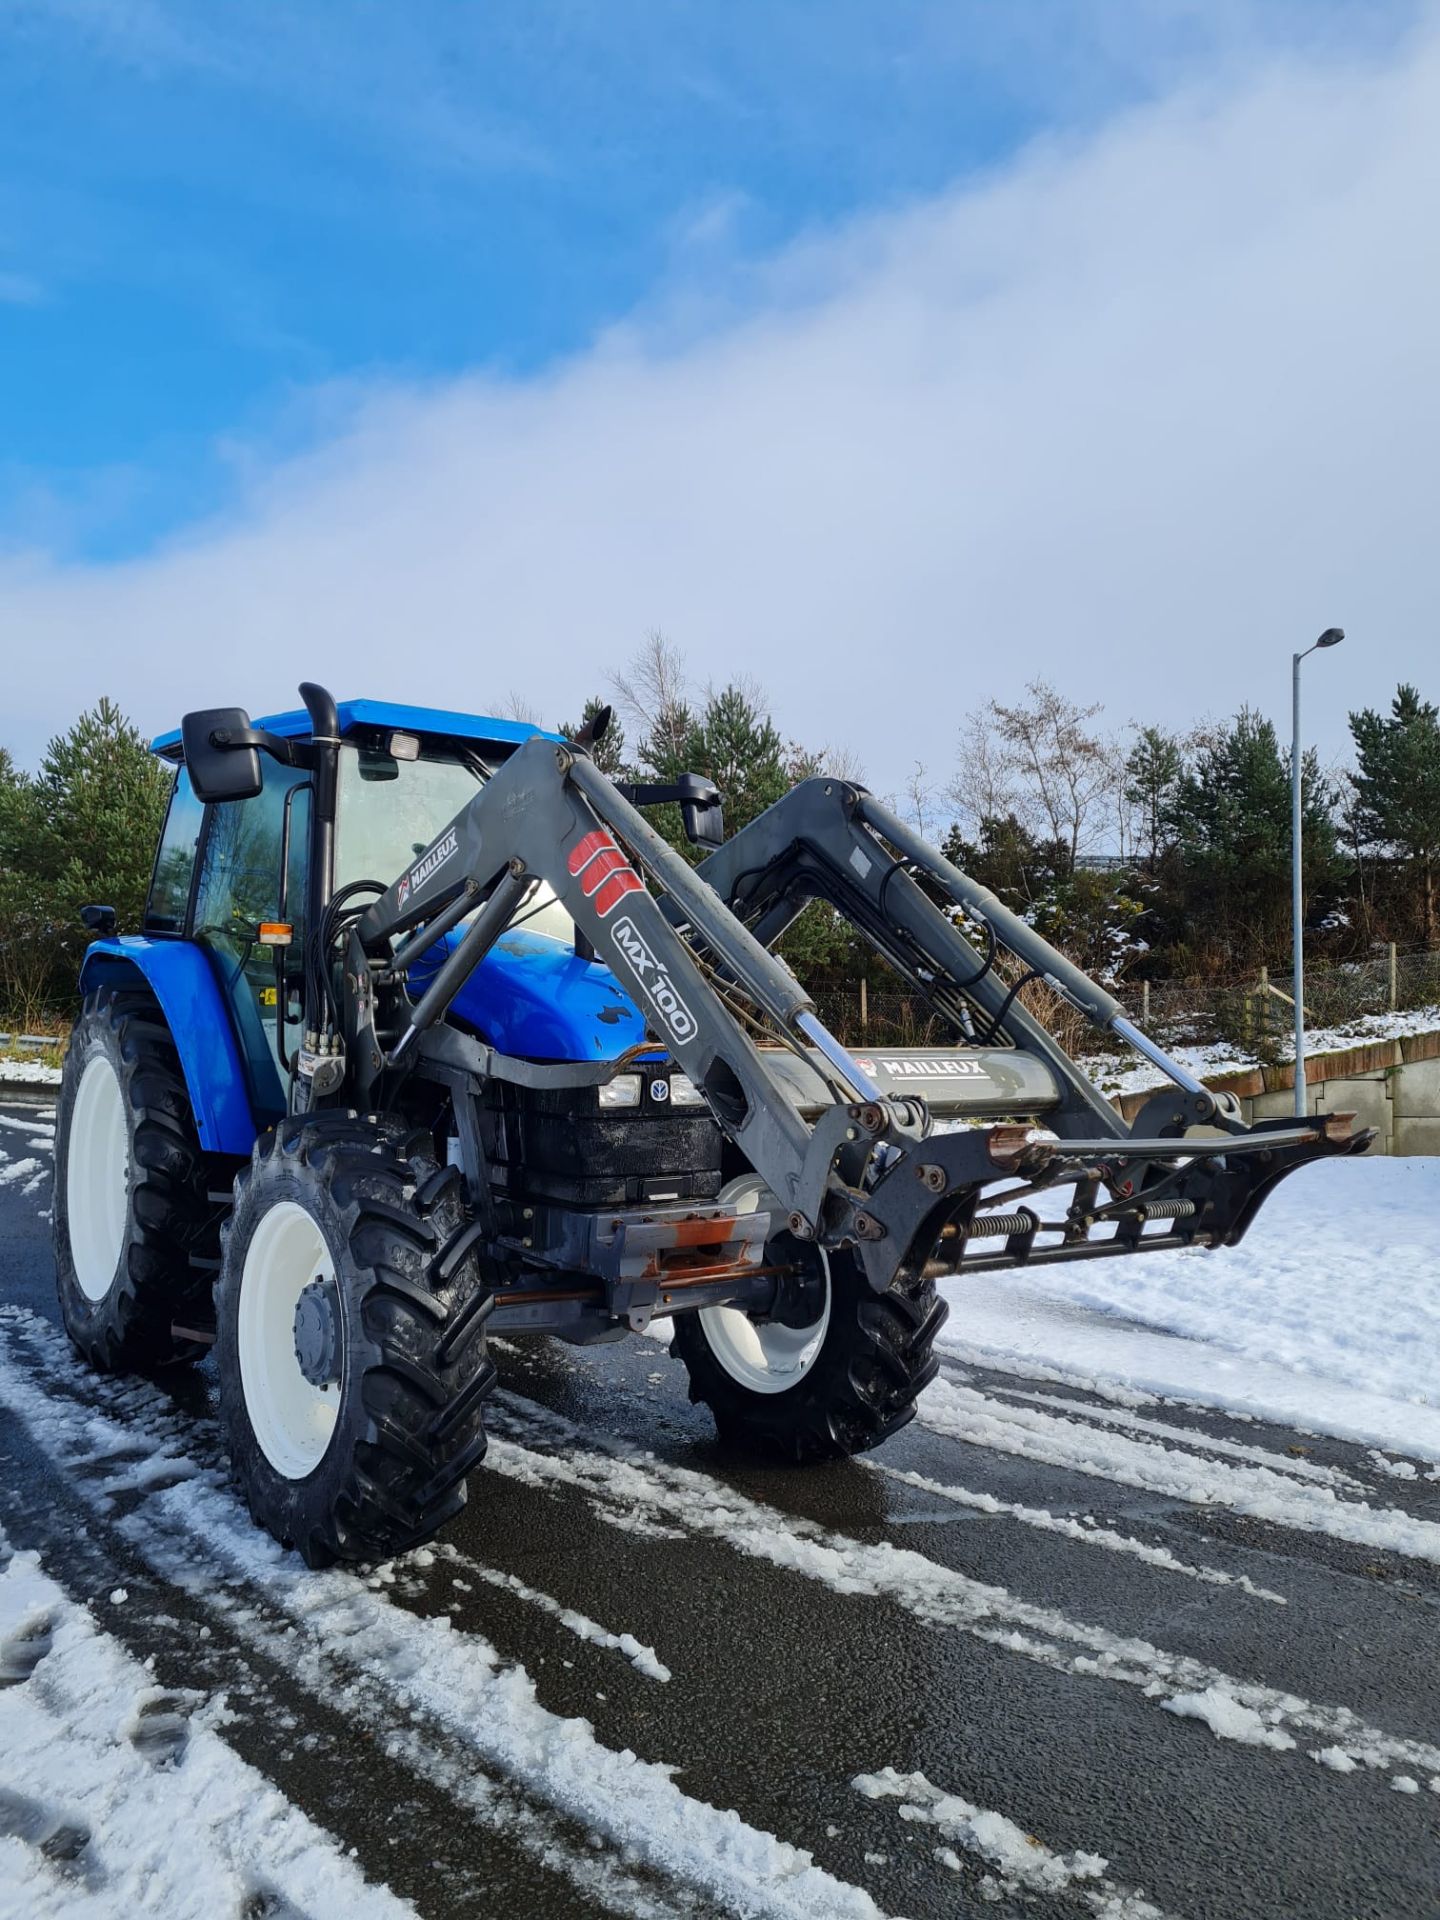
84, 830
1153, 767
1228, 876
1397, 791
735, 744
1016, 865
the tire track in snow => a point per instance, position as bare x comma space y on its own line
101, 1824
338, 1658
1261, 1492
409, 1576
429, 1670
302, 1718
539, 1448
1294, 1466
1071, 1529
644, 1659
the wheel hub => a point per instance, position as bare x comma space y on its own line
800, 1293
317, 1333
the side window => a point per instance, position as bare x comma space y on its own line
175, 862
238, 889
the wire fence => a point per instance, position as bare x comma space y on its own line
1253, 1012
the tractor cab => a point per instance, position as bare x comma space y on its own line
232, 877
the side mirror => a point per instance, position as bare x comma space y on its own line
701, 811
101, 921
220, 755
704, 822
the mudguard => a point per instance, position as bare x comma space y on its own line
180, 977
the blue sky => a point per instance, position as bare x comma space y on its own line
992, 337
210, 214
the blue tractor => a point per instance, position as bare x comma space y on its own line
428, 1035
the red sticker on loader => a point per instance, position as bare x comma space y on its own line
624, 880
602, 870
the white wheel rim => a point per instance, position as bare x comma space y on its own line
291, 1417
97, 1177
765, 1357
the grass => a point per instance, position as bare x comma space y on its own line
54, 1031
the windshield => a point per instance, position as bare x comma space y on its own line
390, 810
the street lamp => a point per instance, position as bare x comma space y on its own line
1331, 637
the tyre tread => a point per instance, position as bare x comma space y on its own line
415, 1428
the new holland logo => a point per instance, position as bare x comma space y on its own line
604, 874
658, 987
427, 864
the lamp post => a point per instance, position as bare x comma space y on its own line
1331, 637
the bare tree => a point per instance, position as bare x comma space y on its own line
916, 802
517, 707
1043, 762
654, 696
842, 763
984, 787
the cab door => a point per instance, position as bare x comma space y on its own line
241, 885
167, 910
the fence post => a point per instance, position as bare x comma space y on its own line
1394, 977
864, 1008
1144, 1003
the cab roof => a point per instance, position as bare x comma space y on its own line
358, 714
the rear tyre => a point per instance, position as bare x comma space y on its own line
834, 1379
351, 1339
130, 1202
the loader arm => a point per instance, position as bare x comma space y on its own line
829, 840
867, 1172
549, 814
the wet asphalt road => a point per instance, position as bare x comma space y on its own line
818, 1626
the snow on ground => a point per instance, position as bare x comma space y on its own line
117, 1798
1077, 1441
1129, 1073
1024, 1863
27, 1073
342, 1638
436, 1673
539, 1448
1325, 1317
1087, 1532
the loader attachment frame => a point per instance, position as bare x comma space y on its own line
869, 1172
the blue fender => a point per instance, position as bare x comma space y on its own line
179, 976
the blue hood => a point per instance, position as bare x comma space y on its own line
534, 997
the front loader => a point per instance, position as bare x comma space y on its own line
430, 1036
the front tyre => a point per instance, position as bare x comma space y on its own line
834, 1373
351, 1339
130, 1190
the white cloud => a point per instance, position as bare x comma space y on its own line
1140, 413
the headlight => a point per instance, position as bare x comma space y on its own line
684, 1092
622, 1091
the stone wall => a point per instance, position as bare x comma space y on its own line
1391, 1085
